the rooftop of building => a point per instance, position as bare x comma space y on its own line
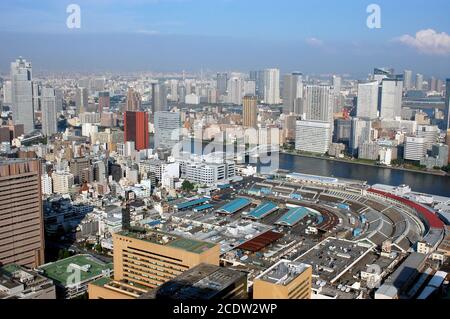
164, 239
283, 272
15, 280
62, 271
201, 282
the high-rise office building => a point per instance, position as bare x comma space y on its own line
21, 217
430, 133
391, 99
82, 99
342, 131
272, 86
250, 111
22, 94
292, 92
146, 260
235, 90
104, 101
167, 129
133, 100
59, 95
136, 129
48, 114
221, 83
284, 280
258, 77
159, 98
433, 84
407, 78
367, 100
419, 82
313, 136
379, 74
360, 133
336, 83
318, 105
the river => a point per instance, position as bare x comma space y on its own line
419, 182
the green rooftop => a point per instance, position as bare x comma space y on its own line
165, 239
190, 245
63, 270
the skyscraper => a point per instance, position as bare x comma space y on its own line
221, 83
360, 133
104, 101
336, 83
82, 99
167, 126
48, 107
21, 218
250, 111
133, 100
433, 84
407, 78
159, 97
272, 86
391, 99
258, 77
22, 94
419, 82
292, 91
235, 90
136, 129
367, 100
318, 103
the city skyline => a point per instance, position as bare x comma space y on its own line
167, 36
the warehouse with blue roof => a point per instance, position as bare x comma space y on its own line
192, 203
293, 216
203, 208
234, 206
263, 210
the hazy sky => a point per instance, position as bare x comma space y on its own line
313, 36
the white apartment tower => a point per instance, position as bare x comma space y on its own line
272, 86
318, 103
313, 136
391, 98
367, 106
167, 129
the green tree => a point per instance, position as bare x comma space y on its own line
187, 186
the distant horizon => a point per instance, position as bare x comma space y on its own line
314, 37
